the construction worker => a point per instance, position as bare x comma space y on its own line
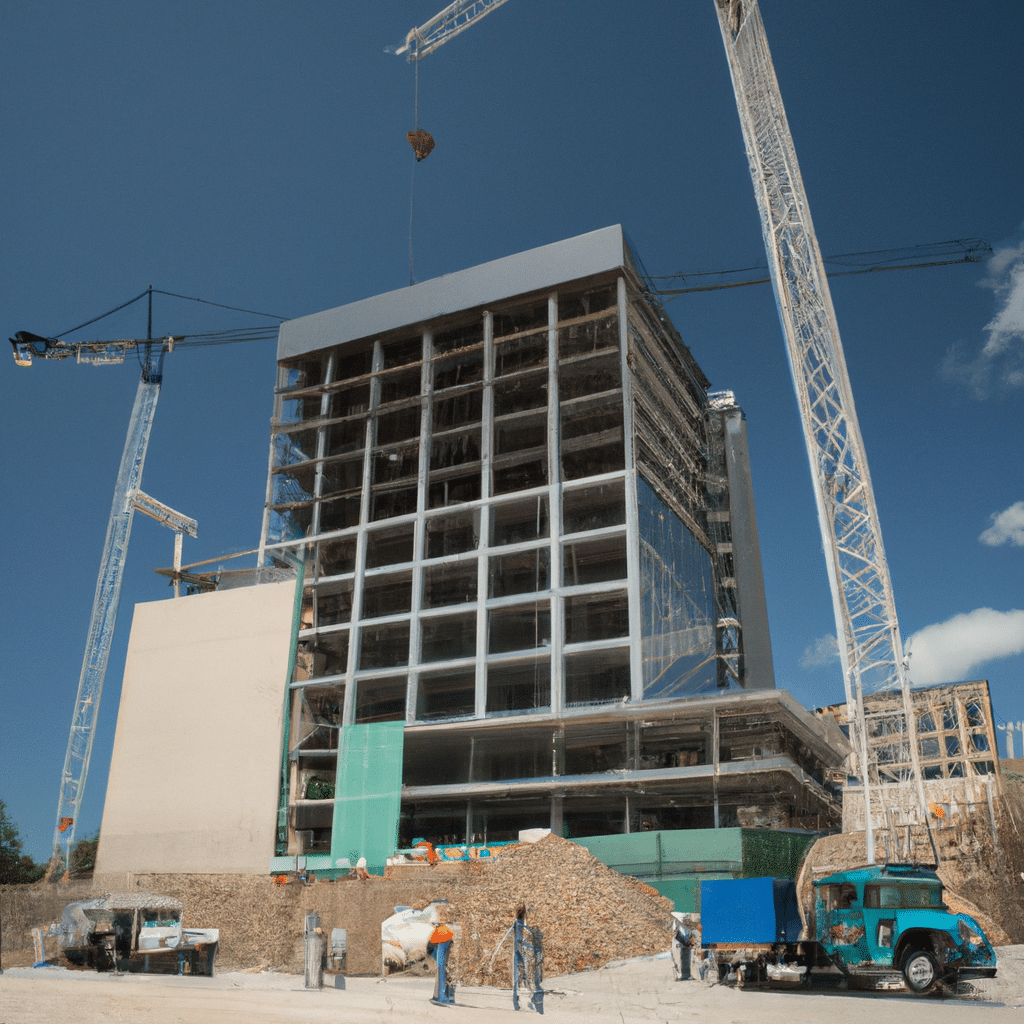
438, 947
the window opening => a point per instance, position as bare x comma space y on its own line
593, 617
390, 546
448, 637
597, 677
452, 533
384, 646
452, 582
337, 556
516, 521
519, 627
594, 508
387, 595
520, 686
380, 700
446, 695
594, 561
524, 572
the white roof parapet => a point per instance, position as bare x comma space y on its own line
549, 265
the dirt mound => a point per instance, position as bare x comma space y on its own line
588, 913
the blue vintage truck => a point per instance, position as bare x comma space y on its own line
878, 925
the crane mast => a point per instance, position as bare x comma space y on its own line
869, 636
128, 497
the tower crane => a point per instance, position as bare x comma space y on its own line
870, 646
128, 497
445, 25
865, 611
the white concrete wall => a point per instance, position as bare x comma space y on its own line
195, 771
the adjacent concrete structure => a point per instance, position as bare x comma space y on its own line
194, 777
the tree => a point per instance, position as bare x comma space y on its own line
16, 868
83, 856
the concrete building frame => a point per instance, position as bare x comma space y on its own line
522, 539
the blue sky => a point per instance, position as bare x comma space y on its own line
255, 155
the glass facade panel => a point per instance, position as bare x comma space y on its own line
384, 646
521, 686
446, 695
520, 627
594, 561
678, 603
380, 700
449, 637
449, 583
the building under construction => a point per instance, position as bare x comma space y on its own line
956, 757
530, 537
530, 586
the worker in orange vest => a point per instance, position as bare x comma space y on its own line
438, 947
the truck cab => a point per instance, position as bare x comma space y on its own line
882, 919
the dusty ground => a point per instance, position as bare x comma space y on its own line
622, 993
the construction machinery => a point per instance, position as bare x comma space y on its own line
445, 25
128, 497
135, 931
870, 646
865, 611
880, 927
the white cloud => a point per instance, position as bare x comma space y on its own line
822, 652
1006, 270
951, 651
1007, 527
1001, 359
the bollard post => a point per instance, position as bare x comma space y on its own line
315, 951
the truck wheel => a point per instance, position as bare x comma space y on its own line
920, 972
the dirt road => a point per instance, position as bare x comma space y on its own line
632, 992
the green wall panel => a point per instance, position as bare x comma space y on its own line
676, 862
368, 794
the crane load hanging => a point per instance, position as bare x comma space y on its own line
422, 143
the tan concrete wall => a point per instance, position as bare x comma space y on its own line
194, 777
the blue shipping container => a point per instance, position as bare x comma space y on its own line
761, 910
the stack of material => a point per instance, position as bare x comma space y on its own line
589, 914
